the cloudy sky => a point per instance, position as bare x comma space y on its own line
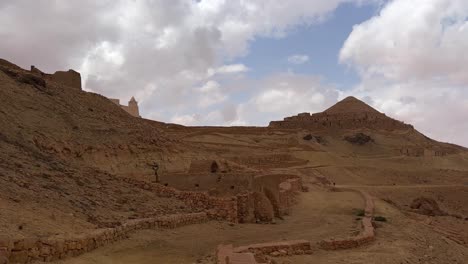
241, 62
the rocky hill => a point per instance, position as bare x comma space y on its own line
350, 113
73, 161
61, 149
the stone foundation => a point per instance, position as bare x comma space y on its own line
227, 254
27, 250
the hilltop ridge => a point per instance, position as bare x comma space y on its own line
350, 113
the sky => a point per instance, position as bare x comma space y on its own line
240, 62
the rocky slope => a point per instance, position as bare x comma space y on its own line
59, 149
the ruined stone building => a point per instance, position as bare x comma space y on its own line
72, 79
68, 78
132, 107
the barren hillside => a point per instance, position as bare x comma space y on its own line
73, 162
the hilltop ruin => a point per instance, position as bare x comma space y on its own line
132, 107
349, 113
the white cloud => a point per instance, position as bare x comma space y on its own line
210, 94
412, 59
286, 94
228, 69
298, 59
159, 51
187, 120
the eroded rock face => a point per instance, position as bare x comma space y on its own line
426, 206
318, 139
359, 139
24, 77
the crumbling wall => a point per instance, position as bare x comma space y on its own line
68, 78
246, 207
27, 250
287, 194
218, 208
263, 208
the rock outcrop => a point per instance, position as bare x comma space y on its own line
426, 206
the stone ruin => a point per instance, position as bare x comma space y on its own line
260, 197
132, 107
350, 113
39, 79
68, 78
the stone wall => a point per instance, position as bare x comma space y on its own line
26, 250
246, 208
68, 78
280, 189
239, 208
218, 208
287, 194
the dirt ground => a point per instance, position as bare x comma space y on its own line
320, 214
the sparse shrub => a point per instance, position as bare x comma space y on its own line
360, 212
380, 219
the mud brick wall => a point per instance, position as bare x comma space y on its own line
365, 236
246, 208
27, 250
287, 194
